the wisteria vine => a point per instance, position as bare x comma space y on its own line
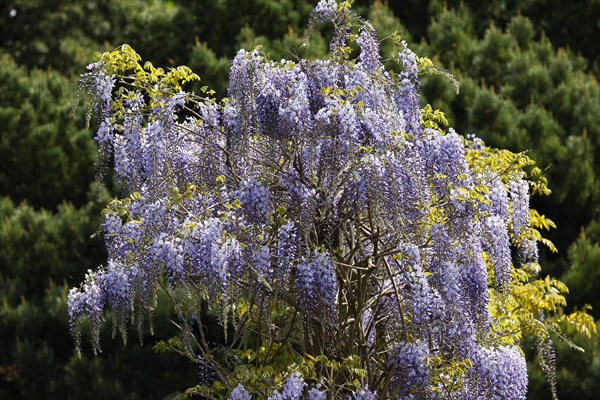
332, 225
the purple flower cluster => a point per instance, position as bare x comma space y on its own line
475, 281
287, 248
99, 84
422, 301
213, 257
364, 394
369, 58
293, 389
127, 159
411, 376
499, 373
407, 96
324, 11
519, 195
316, 394
170, 252
88, 301
239, 393
499, 199
317, 287
255, 200
116, 283
497, 245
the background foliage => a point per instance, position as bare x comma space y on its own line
528, 71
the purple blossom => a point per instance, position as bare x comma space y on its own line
496, 244
206, 373
214, 258
500, 373
475, 282
116, 285
99, 84
255, 200
316, 394
369, 58
170, 252
76, 310
316, 285
412, 375
364, 394
422, 301
519, 195
239, 393
528, 251
261, 263
293, 389
407, 96
404, 191
445, 157
127, 147
348, 123
499, 199
87, 302
324, 11
287, 247
243, 86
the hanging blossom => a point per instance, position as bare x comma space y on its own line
100, 84
255, 200
519, 195
497, 246
316, 280
369, 58
501, 373
364, 394
325, 11
407, 95
239, 393
88, 301
287, 247
293, 389
411, 376
316, 394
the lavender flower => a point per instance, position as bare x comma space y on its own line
497, 246
255, 200
528, 251
99, 84
293, 389
324, 11
499, 199
316, 285
127, 156
364, 394
116, 285
243, 82
369, 58
87, 302
239, 393
500, 373
519, 195
407, 95
411, 376
316, 394
206, 373
287, 246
